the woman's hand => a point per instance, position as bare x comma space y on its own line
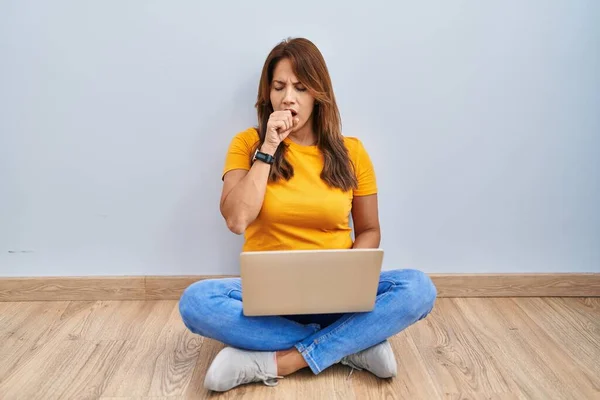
280, 125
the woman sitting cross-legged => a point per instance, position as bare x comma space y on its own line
291, 184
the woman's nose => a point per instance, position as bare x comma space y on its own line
288, 97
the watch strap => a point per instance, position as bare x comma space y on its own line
264, 157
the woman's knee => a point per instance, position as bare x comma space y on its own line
196, 304
418, 290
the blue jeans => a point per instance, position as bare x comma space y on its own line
213, 308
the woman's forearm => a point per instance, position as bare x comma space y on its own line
369, 239
243, 203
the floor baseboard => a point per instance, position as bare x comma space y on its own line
171, 287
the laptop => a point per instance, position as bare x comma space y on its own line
293, 282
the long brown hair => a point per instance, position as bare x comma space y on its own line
309, 66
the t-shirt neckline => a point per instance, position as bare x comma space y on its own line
313, 148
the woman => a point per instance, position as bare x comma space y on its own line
291, 184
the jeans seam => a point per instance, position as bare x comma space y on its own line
314, 363
305, 352
308, 350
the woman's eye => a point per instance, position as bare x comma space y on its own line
298, 88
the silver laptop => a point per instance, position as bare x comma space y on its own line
309, 281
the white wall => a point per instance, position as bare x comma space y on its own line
482, 118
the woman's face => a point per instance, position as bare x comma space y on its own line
287, 93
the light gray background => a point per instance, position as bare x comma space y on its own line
482, 119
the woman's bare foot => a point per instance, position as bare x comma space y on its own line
289, 361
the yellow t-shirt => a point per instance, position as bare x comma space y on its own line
304, 212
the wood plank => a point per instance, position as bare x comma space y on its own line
112, 323
549, 350
491, 377
457, 363
195, 390
17, 320
430, 337
171, 287
467, 348
118, 320
521, 368
517, 285
48, 374
590, 304
136, 367
174, 365
73, 322
144, 398
533, 373
161, 361
89, 380
585, 318
412, 382
306, 385
6, 312
72, 288
73, 326
22, 333
339, 380
49, 334
580, 342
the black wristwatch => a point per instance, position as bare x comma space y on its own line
264, 157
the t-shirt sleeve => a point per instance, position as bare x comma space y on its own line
365, 173
238, 153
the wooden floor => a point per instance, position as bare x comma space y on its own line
480, 348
